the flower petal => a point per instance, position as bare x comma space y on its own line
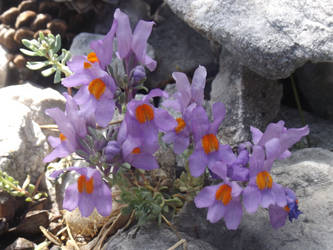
77, 79
183, 87
206, 197
144, 161
86, 204
218, 114
123, 33
273, 149
277, 216
104, 111
279, 195
164, 121
198, 85
256, 135
71, 197
233, 214
103, 200
59, 152
197, 163
215, 211
180, 144
267, 198
139, 43
251, 199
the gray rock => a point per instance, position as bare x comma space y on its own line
309, 172
3, 67
177, 48
320, 130
22, 143
136, 9
152, 237
37, 99
250, 99
81, 43
21, 244
315, 82
271, 38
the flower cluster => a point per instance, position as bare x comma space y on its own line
104, 89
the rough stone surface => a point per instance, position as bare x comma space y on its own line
272, 38
315, 82
309, 172
36, 99
3, 67
321, 130
250, 99
177, 48
22, 143
21, 244
80, 44
152, 237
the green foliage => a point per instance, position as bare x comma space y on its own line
47, 47
188, 184
11, 186
148, 203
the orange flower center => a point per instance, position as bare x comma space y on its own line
286, 208
92, 57
86, 65
136, 150
224, 194
96, 88
144, 113
62, 137
210, 143
84, 185
181, 125
264, 180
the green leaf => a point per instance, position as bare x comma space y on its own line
38, 196
67, 56
31, 188
37, 65
41, 36
29, 52
26, 182
48, 72
28, 44
57, 43
28, 199
57, 77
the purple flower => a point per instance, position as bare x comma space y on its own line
132, 47
95, 95
261, 189
207, 147
73, 127
79, 64
138, 154
278, 215
180, 135
222, 200
185, 101
88, 192
103, 48
237, 170
277, 139
143, 120
188, 93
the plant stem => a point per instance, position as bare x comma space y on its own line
299, 107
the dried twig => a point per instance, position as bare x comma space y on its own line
182, 241
50, 236
71, 237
